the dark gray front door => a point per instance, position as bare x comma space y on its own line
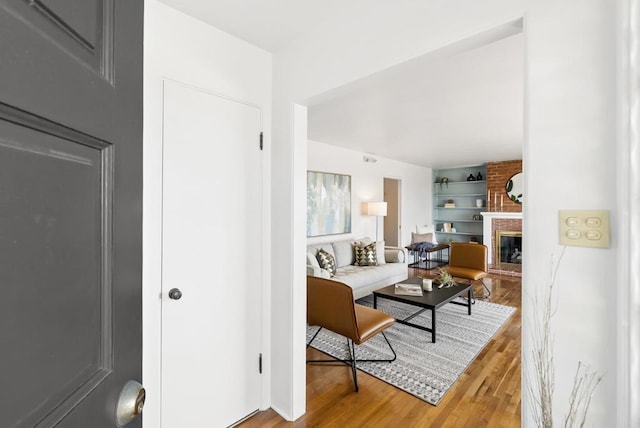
70, 209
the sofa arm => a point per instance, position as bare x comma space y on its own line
395, 255
318, 271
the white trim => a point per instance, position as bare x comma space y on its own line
634, 214
628, 180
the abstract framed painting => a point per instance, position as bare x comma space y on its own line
328, 203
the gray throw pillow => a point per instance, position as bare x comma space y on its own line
365, 255
326, 261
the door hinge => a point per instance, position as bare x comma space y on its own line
260, 364
261, 149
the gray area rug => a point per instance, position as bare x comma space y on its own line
423, 369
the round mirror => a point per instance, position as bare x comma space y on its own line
514, 188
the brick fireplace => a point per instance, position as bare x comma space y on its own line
498, 223
504, 218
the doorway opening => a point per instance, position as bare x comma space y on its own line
392, 225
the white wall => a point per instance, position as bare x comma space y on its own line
570, 159
569, 155
341, 51
184, 49
367, 186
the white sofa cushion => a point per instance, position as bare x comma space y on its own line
313, 248
343, 251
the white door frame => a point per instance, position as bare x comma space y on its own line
152, 251
628, 187
213, 224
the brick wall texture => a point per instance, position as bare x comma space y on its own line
497, 175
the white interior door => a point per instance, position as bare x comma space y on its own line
212, 253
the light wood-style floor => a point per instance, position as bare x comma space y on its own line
486, 395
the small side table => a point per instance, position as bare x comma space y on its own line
429, 261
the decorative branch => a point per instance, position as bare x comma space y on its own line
584, 385
541, 388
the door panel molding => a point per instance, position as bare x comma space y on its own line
88, 41
28, 120
74, 157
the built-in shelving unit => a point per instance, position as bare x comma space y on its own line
464, 227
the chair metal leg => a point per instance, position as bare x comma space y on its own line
354, 371
351, 361
486, 288
486, 296
383, 360
473, 297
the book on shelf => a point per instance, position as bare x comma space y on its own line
408, 289
450, 205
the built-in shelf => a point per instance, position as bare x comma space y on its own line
460, 233
464, 193
462, 208
462, 182
457, 221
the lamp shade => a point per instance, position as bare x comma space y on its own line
377, 208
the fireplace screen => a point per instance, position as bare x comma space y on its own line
509, 247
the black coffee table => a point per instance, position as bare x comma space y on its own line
429, 300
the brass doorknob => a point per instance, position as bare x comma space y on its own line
175, 294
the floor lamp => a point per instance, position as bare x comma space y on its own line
378, 209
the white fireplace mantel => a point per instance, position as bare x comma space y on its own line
487, 218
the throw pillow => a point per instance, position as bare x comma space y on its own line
326, 261
365, 255
424, 229
418, 237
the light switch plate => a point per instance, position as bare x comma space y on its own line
584, 228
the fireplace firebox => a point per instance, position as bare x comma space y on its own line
509, 247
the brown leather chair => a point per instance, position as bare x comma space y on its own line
330, 305
469, 261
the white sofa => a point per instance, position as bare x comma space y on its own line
392, 267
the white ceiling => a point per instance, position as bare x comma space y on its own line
269, 24
462, 109
459, 110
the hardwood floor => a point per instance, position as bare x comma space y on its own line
486, 395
